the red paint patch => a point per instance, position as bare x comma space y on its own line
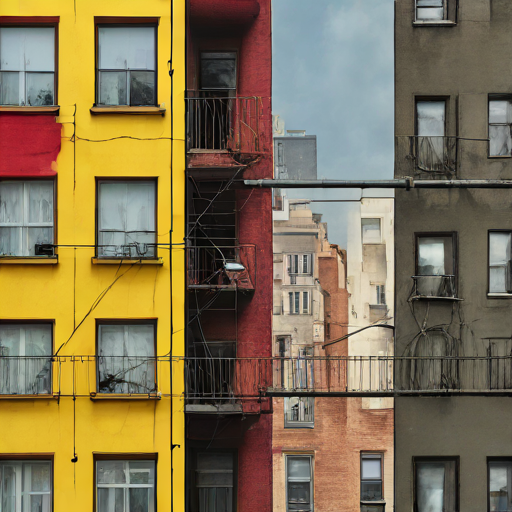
28, 145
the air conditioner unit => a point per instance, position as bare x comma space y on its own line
44, 250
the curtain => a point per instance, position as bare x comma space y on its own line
126, 363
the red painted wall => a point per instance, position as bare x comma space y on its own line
29, 145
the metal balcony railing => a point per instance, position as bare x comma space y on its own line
420, 154
223, 380
226, 124
434, 287
25, 375
221, 267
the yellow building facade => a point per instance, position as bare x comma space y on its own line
92, 273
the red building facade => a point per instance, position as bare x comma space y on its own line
229, 255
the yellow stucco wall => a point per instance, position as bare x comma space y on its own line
65, 292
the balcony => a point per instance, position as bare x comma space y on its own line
434, 288
221, 267
426, 156
228, 131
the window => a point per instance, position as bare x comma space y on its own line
381, 294
430, 10
371, 482
27, 66
500, 126
25, 359
218, 71
26, 485
430, 130
26, 216
299, 483
299, 264
126, 65
370, 231
298, 306
436, 484
126, 358
125, 485
126, 219
214, 482
500, 264
435, 255
500, 485
299, 412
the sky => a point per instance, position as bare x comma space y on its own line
333, 77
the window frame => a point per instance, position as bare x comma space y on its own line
311, 478
51, 323
124, 322
371, 455
299, 424
380, 219
227, 92
494, 459
495, 97
300, 264
496, 295
292, 302
130, 456
431, 99
434, 459
23, 180
123, 21
437, 234
21, 458
37, 21
108, 179
194, 489
449, 19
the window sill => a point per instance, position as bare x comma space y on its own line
496, 295
434, 23
51, 110
299, 425
49, 396
126, 110
118, 396
127, 261
498, 157
29, 260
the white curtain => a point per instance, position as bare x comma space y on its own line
127, 216
126, 362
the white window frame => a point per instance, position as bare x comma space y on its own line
430, 4
306, 303
22, 73
125, 250
127, 486
305, 409
297, 300
288, 480
498, 98
128, 71
380, 290
371, 242
300, 264
23, 468
507, 267
24, 225
36, 367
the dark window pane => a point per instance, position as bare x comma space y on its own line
139, 500
218, 71
9, 88
371, 491
40, 89
299, 496
142, 88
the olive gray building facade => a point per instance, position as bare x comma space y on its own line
453, 337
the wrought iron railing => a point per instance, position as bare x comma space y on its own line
421, 154
212, 380
211, 266
440, 287
226, 124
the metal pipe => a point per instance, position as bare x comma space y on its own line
406, 183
